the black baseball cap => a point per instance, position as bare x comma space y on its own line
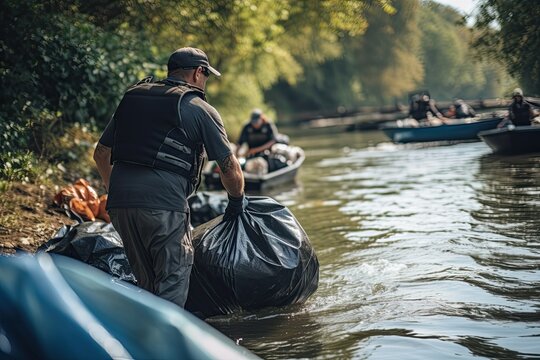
188, 57
255, 115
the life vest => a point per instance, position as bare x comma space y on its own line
149, 130
418, 110
464, 111
521, 112
260, 136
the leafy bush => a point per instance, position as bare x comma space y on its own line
18, 166
57, 69
508, 31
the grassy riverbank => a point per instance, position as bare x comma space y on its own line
28, 217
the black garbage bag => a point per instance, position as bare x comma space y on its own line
205, 206
94, 243
276, 162
98, 244
261, 258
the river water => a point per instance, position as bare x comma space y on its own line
426, 252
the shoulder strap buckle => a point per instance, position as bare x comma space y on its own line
147, 79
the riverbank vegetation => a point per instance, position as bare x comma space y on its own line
65, 65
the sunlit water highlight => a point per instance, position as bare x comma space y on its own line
426, 252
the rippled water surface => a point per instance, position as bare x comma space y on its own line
426, 252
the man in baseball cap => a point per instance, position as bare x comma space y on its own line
190, 58
156, 140
520, 111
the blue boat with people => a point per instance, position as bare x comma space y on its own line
456, 130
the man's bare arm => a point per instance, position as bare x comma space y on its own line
102, 157
232, 177
261, 148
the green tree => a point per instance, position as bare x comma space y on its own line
253, 43
65, 63
387, 57
369, 66
453, 68
416, 45
57, 69
509, 30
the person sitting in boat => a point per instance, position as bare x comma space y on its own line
520, 112
451, 112
463, 110
460, 110
424, 111
259, 134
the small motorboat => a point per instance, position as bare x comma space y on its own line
258, 181
457, 130
513, 139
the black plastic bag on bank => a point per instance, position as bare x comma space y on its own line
205, 206
98, 244
95, 243
261, 258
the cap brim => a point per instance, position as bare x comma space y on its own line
214, 71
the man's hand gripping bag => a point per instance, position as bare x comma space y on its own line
260, 258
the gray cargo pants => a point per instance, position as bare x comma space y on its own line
159, 249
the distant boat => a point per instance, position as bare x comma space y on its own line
513, 140
459, 131
255, 182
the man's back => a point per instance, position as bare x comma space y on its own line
156, 141
139, 186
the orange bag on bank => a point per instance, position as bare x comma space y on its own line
83, 200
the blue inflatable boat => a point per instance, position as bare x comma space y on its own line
54, 307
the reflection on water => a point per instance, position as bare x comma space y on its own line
509, 191
425, 252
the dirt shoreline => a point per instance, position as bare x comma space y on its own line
28, 217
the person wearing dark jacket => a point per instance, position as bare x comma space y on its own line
520, 112
460, 110
421, 107
259, 134
463, 110
150, 158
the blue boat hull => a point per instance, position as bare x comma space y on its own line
53, 307
453, 132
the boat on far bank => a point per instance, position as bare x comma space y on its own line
512, 139
457, 130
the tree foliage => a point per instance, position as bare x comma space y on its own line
387, 57
253, 43
86, 52
509, 31
67, 63
417, 45
56, 70
452, 66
